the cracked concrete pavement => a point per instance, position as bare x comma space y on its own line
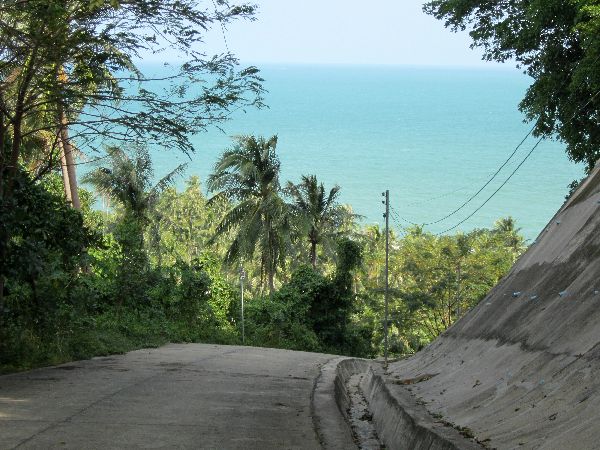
176, 396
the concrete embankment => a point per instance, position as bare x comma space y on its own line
521, 370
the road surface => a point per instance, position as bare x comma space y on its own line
176, 396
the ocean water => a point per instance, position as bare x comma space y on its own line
432, 136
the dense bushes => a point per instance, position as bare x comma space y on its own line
314, 312
73, 293
87, 283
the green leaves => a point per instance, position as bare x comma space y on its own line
47, 238
556, 43
316, 215
249, 174
434, 280
97, 4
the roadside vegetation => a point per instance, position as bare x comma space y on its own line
155, 264
161, 265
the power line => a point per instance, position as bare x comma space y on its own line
437, 197
495, 174
516, 169
472, 197
396, 218
495, 192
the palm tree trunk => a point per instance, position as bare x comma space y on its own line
65, 173
67, 148
313, 254
69, 161
262, 274
271, 283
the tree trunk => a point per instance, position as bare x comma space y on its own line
262, 274
67, 148
13, 162
65, 173
271, 283
69, 161
3, 238
8, 172
313, 254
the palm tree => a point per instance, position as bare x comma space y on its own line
507, 228
248, 176
128, 181
318, 215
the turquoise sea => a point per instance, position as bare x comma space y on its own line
432, 136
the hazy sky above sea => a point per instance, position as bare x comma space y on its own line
344, 32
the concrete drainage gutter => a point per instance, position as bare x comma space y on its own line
400, 422
333, 431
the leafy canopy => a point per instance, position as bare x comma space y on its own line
248, 174
317, 214
556, 42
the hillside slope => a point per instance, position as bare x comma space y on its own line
522, 369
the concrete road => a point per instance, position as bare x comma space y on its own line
177, 396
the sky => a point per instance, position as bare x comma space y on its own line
394, 32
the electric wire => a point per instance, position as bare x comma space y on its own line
492, 178
437, 197
396, 219
495, 174
515, 170
495, 192
403, 219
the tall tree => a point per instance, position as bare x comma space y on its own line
129, 182
318, 214
556, 42
72, 64
248, 176
181, 225
444, 276
76, 59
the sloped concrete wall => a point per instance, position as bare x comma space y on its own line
521, 370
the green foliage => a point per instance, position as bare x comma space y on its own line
128, 181
556, 41
249, 175
94, 44
47, 239
153, 271
181, 224
572, 187
173, 286
443, 277
317, 216
313, 312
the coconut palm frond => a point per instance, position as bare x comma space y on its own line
248, 173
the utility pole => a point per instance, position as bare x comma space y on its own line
386, 194
242, 278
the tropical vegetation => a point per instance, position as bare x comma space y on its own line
556, 43
128, 261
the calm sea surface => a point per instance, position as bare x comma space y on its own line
432, 136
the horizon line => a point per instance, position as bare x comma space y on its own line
483, 66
